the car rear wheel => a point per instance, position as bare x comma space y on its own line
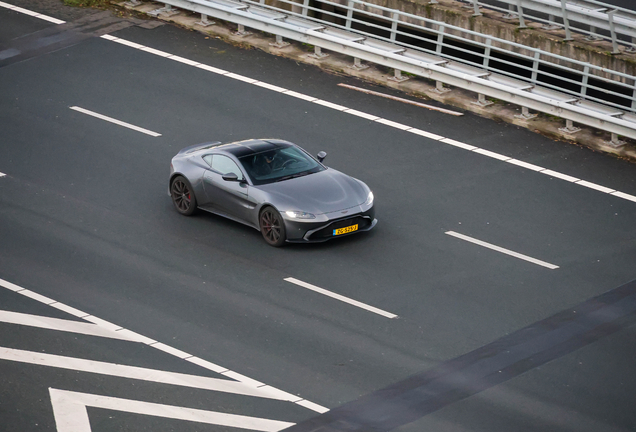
183, 196
272, 227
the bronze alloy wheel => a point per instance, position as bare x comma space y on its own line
272, 227
182, 196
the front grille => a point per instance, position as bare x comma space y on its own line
327, 232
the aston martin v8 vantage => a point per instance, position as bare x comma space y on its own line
271, 185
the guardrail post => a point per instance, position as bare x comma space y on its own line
476, 6
525, 114
357, 64
166, 11
349, 14
204, 21
440, 39
394, 24
569, 127
487, 53
592, 36
482, 101
241, 31
535, 68
439, 88
280, 43
566, 23
318, 54
522, 23
397, 76
305, 8
610, 16
616, 142
586, 75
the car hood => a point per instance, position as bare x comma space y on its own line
322, 192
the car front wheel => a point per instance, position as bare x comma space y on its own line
182, 196
272, 227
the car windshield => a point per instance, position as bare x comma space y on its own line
278, 165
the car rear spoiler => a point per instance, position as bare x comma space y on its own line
196, 147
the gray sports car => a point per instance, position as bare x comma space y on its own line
273, 186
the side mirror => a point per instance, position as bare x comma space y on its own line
230, 177
321, 156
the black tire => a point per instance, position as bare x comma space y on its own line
272, 227
183, 196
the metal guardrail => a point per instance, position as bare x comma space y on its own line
394, 39
595, 19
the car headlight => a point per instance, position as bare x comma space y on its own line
369, 200
299, 214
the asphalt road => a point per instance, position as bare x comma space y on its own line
85, 220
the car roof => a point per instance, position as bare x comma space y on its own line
248, 147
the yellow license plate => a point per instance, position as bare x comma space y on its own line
345, 230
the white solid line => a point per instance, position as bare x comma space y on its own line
50, 19
25, 11
425, 134
393, 124
37, 297
240, 77
7, 5
300, 95
183, 60
131, 335
502, 250
270, 86
340, 297
458, 144
206, 364
595, 186
129, 43
69, 410
525, 165
277, 394
117, 122
11, 286
142, 374
624, 196
312, 406
59, 325
492, 154
361, 114
102, 323
156, 52
212, 69
172, 351
242, 378
69, 310
330, 105
559, 175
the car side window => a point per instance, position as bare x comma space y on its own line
224, 165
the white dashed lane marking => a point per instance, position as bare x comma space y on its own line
340, 297
502, 250
115, 121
